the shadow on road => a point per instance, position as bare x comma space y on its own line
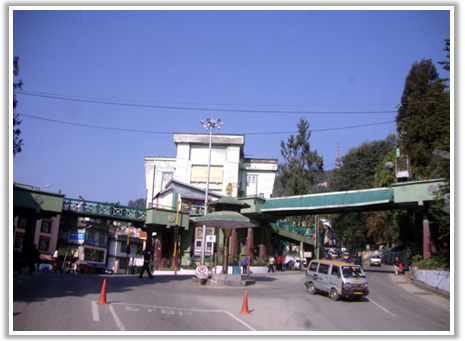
263, 278
43, 286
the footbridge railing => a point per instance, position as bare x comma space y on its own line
107, 210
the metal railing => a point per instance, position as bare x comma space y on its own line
108, 210
285, 225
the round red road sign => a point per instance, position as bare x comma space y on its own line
201, 272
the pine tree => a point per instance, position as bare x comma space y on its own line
17, 142
423, 119
302, 167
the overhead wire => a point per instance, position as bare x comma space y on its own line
165, 132
157, 106
65, 96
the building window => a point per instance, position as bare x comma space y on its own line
90, 235
252, 183
19, 242
46, 226
122, 263
22, 222
166, 177
44, 244
198, 241
93, 255
102, 238
123, 247
251, 180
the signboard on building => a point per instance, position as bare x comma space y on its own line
211, 238
76, 237
199, 174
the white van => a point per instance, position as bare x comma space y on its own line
338, 279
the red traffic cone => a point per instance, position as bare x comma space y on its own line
245, 305
103, 293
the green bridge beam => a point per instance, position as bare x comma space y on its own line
106, 210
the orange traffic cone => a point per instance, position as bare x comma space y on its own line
103, 293
245, 305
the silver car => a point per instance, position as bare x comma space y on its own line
338, 279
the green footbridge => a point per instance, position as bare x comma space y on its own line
415, 195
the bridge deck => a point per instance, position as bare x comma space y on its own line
333, 202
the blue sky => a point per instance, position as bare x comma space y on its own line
315, 62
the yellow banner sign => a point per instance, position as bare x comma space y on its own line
199, 174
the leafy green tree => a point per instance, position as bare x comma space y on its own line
385, 174
137, 203
17, 142
302, 166
359, 165
423, 120
301, 170
360, 170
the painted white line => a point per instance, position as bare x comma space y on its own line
117, 320
239, 320
167, 308
170, 311
380, 306
95, 313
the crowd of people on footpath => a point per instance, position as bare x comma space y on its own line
279, 263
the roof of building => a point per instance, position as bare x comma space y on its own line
173, 182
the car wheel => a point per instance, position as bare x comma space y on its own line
311, 289
333, 294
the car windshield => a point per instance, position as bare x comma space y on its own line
352, 271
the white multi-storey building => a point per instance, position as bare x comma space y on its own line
230, 172
178, 183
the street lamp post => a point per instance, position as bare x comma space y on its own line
211, 123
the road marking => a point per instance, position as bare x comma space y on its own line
117, 320
239, 320
172, 311
167, 312
380, 306
95, 313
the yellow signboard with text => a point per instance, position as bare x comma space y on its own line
199, 174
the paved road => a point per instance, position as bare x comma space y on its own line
277, 302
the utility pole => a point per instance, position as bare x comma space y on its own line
211, 123
128, 249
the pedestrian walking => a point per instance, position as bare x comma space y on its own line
235, 266
146, 265
397, 265
271, 264
279, 263
244, 265
81, 205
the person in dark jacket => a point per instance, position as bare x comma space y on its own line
34, 257
146, 264
397, 265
